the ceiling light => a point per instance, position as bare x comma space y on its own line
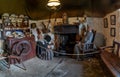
53, 3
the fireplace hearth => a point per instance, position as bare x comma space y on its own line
66, 37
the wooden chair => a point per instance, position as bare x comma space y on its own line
89, 48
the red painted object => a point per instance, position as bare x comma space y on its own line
22, 47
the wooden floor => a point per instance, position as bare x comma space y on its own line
58, 67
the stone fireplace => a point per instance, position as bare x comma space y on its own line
66, 37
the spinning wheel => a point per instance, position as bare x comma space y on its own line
21, 48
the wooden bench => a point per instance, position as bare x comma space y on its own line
111, 58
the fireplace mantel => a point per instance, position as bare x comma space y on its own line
66, 29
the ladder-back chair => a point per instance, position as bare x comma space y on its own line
89, 48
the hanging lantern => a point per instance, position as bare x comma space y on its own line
53, 5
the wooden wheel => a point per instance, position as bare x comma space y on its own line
21, 48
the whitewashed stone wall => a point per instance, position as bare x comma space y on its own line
109, 38
96, 23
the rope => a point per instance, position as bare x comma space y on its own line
76, 54
67, 54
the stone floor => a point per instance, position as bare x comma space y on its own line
58, 67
